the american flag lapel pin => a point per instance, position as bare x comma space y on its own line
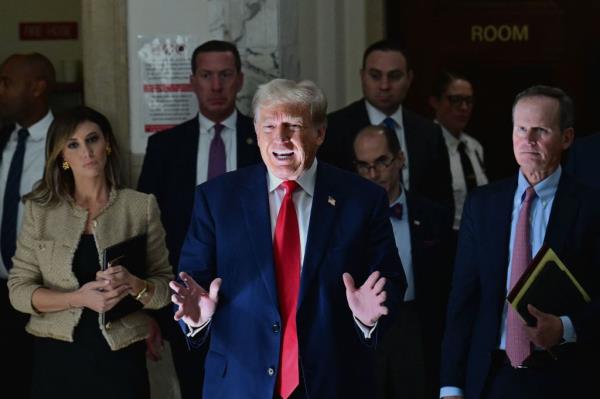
331, 200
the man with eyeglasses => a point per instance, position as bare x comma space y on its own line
386, 77
452, 100
408, 354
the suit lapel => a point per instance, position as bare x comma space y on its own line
562, 216
247, 150
361, 115
255, 205
319, 230
414, 214
5, 133
189, 151
497, 249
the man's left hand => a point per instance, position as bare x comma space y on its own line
366, 302
548, 331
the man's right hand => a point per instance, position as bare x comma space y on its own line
196, 305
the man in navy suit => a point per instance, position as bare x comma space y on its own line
408, 355
289, 324
179, 159
487, 351
26, 83
386, 77
584, 160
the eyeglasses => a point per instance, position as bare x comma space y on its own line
379, 165
458, 100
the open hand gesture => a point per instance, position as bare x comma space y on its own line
366, 302
196, 305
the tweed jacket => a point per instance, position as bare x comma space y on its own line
45, 249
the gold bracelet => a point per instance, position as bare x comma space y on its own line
142, 292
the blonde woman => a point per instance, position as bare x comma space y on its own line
76, 211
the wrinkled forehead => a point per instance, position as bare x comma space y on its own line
285, 112
541, 110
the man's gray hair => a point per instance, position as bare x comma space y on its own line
289, 92
566, 108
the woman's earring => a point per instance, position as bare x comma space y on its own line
108, 150
65, 165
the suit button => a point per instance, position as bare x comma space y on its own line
271, 371
276, 327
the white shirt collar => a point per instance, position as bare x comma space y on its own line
228, 122
451, 140
376, 116
401, 199
39, 130
306, 180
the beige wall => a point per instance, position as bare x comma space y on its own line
332, 37
12, 12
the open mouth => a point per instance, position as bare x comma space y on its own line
283, 156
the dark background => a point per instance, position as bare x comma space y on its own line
485, 40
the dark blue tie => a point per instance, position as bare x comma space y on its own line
396, 211
12, 196
389, 123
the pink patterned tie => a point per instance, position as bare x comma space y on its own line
518, 345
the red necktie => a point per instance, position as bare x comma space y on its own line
518, 345
286, 253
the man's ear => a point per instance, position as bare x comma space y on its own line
240, 81
409, 77
321, 134
401, 158
39, 87
568, 135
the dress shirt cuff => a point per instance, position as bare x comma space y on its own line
450, 391
366, 330
193, 331
569, 334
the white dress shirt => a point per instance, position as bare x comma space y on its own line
33, 165
303, 198
474, 152
376, 117
207, 132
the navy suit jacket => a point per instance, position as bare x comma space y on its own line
430, 229
230, 237
169, 172
480, 275
429, 167
584, 160
5, 132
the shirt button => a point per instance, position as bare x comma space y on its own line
275, 327
271, 371
95, 223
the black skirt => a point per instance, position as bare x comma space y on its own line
88, 368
